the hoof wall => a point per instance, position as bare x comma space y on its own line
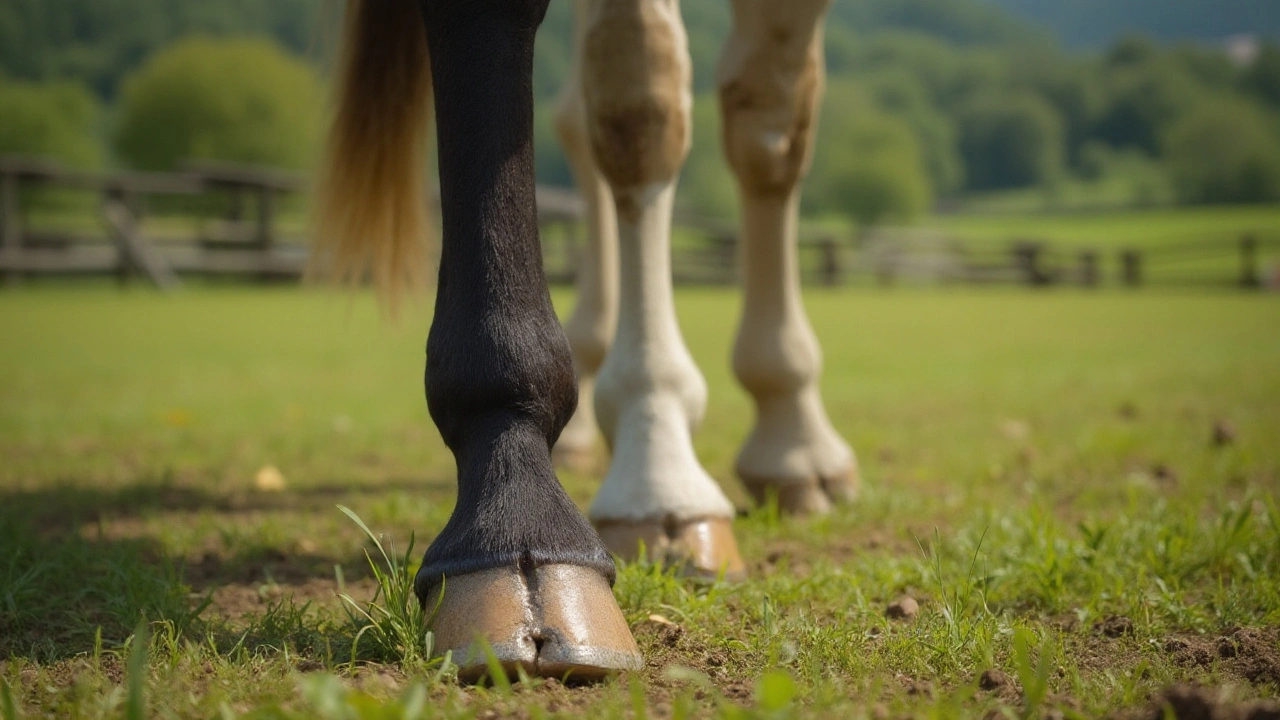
556, 621
704, 547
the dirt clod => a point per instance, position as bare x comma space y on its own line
996, 681
1227, 647
1224, 434
916, 686
668, 632
1184, 703
1114, 626
904, 608
1164, 474
1188, 702
1266, 710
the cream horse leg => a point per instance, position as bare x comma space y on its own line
770, 80
591, 327
650, 396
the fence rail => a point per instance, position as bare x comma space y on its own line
242, 236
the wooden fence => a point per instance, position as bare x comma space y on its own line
239, 234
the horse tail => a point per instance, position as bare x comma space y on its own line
371, 196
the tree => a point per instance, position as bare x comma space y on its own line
868, 165
237, 100
707, 185
1262, 79
57, 120
898, 93
1143, 101
97, 41
1224, 152
1067, 83
1010, 140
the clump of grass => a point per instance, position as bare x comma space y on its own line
393, 619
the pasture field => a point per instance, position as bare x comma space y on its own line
1079, 489
1120, 229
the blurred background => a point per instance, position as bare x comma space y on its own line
966, 121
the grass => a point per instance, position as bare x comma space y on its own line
1191, 233
1040, 475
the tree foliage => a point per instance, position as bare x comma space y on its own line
965, 96
870, 167
1010, 140
1095, 22
56, 120
99, 41
240, 100
1224, 152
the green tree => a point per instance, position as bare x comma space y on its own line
1067, 83
1010, 140
898, 93
1144, 99
57, 120
1224, 151
1262, 79
97, 41
868, 166
237, 100
707, 185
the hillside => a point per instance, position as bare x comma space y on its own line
98, 42
1098, 22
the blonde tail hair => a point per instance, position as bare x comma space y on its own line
371, 197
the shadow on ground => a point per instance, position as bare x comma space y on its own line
66, 577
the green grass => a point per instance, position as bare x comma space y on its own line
1035, 464
1147, 229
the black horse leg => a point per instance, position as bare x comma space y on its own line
519, 564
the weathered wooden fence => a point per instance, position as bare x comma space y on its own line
239, 233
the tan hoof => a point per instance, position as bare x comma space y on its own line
557, 621
704, 547
807, 498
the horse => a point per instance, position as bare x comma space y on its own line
518, 572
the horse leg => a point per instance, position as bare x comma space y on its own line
649, 395
770, 81
590, 328
517, 565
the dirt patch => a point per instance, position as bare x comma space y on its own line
1249, 654
797, 557
1114, 626
270, 566
999, 684
916, 686
235, 601
1188, 702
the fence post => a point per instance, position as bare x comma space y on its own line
266, 218
1249, 262
10, 224
1026, 258
1131, 267
1089, 268
830, 268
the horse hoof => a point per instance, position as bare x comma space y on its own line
704, 547
555, 621
807, 498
